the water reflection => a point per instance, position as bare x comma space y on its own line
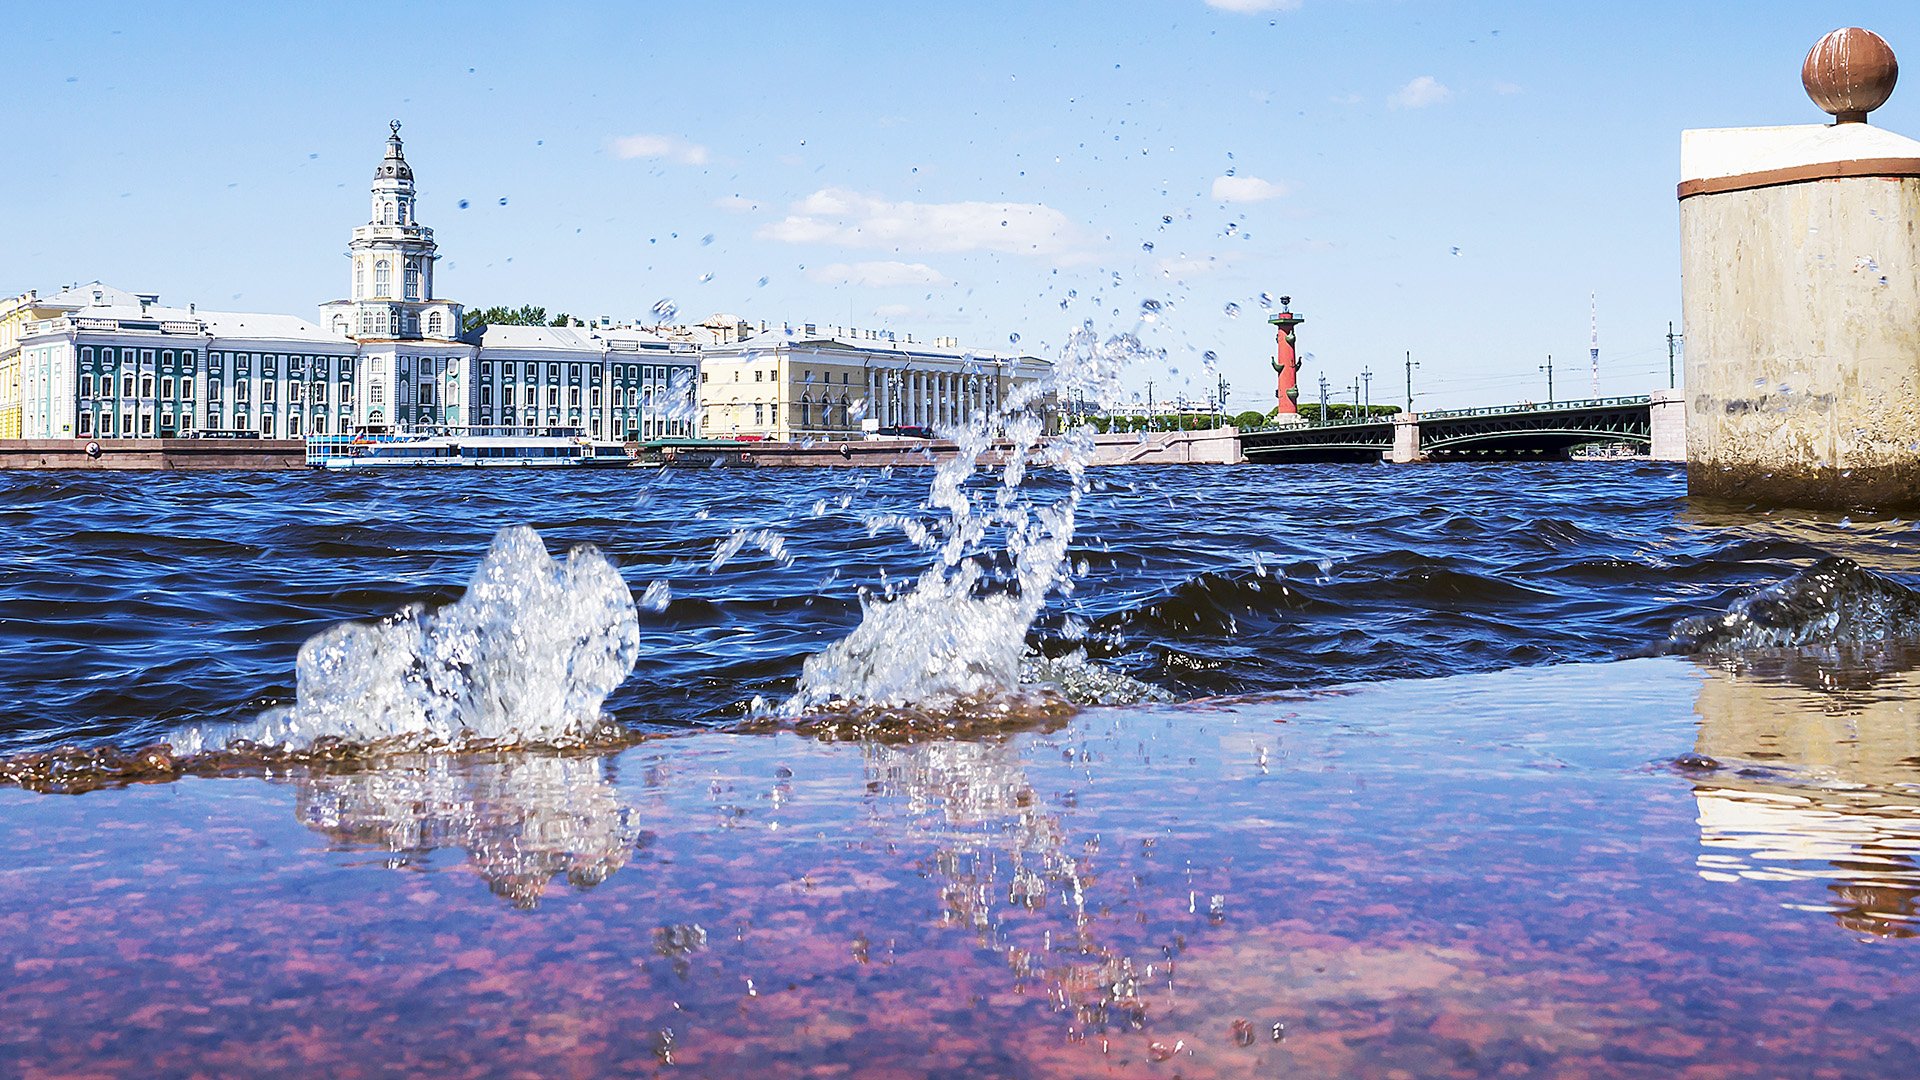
523, 819
1001, 855
1809, 770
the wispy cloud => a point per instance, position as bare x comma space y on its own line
1245, 189
877, 275
852, 219
668, 147
1251, 7
1420, 93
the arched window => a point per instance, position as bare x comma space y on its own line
382, 278
386, 213
393, 323
359, 279
433, 324
340, 325
413, 279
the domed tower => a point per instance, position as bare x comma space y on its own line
393, 255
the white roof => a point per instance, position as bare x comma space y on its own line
98, 294
1713, 153
254, 324
569, 338
778, 340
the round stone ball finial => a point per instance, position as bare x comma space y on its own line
1849, 73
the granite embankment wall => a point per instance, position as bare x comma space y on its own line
151, 454
1218, 447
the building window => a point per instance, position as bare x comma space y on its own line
759, 413
266, 391
293, 392
86, 386
573, 397
126, 425
703, 377
553, 397
126, 385
293, 426
758, 375
359, 279
346, 393
553, 372
166, 387
266, 425
146, 385
529, 399
86, 423
486, 395
426, 393
533, 371
213, 419
393, 323
433, 324
413, 280
213, 391
382, 277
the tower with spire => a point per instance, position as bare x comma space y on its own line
392, 259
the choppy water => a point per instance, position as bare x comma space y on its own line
131, 605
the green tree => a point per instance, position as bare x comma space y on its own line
1249, 419
524, 315
562, 319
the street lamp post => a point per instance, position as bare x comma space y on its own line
1673, 339
1411, 364
1548, 368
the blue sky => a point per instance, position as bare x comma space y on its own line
1453, 179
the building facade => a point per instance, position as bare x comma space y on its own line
792, 385
93, 361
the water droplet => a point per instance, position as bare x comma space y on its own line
706, 277
762, 282
1148, 246
707, 239
665, 309
503, 200
657, 596
464, 204
1233, 311
1166, 219
1013, 339
1266, 300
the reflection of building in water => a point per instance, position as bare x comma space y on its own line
999, 851
1819, 780
523, 819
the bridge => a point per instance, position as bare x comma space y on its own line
1530, 431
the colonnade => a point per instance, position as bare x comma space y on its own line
926, 398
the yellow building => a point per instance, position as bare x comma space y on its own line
845, 383
15, 313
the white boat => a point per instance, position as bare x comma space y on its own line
476, 447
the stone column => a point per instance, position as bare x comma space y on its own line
1406, 439
1669, 422
1800, 286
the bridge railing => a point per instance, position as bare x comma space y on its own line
1535, 406
1521, 409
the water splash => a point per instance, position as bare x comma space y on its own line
527, 656
1833, 602
959, 633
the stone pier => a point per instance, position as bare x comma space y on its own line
1800, 263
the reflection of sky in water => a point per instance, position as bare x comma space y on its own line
1818, 781
1486, 875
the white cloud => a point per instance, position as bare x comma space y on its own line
852, 219
1507, 88
1420, 93
671, 147
736, 204
1244, 189
877, 275
1250, 7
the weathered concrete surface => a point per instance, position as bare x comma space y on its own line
153, 454
1406, 439
1667, 419
1802, 308
1219, 446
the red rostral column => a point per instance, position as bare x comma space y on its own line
1286, 362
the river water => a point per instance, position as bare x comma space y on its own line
134, 603
1405, 782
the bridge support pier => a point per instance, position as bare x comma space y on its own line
1667, 423
1406, 439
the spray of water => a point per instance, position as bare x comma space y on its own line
959, 632
527, 656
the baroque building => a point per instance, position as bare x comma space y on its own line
93, 361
